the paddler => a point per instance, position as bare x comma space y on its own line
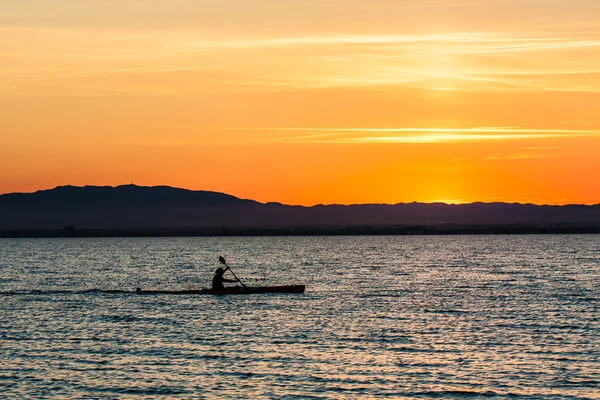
218, 279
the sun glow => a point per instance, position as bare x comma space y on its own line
449, 201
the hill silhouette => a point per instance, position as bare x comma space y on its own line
168, 209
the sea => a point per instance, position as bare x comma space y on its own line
402, 317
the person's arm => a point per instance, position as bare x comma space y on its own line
229, 280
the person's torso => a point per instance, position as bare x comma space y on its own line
217, 282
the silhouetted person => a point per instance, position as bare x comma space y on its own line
218, 279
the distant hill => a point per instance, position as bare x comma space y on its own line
165, 208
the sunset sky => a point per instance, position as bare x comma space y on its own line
305, 101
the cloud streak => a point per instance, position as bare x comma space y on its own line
414, 135
481, 42
461, 61
101, 72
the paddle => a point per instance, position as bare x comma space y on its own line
222, 261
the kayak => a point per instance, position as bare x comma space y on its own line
231, 290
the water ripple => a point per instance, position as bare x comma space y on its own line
400, 317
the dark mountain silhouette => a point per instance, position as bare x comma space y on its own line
162, 208
120, 195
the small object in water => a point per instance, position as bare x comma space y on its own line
233, 290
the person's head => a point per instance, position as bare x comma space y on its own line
220, 271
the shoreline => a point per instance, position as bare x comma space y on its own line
308, 231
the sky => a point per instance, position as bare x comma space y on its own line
305, 101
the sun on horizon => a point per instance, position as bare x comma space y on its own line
305, 102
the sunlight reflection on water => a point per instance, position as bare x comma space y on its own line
404, 317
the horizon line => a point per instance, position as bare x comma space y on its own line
449, 202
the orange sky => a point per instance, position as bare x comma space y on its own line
305, 101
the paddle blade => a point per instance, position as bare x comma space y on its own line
222, 260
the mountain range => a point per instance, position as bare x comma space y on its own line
162, 208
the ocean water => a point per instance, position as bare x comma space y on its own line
383, 316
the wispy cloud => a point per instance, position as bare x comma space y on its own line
432, 6
413, 135
479, 42
520, 156
100, 72
459, 61
461, 42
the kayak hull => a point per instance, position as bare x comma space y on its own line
231, 290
